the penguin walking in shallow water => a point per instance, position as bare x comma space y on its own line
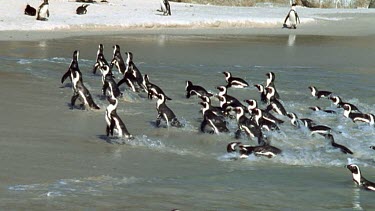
165, 7
292, 17
73, 67
132, 76
109, 82
152, 89
212, 123
165, 113
117, 60
100, 59
81, 92
29, 10
359, 179
81, 10
195, 90
114, 121
43, 11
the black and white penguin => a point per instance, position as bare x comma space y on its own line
228, 107
165, 7
294, 119
114, 121
275, 104
216, 109
230, 101
359, 179
81, 10
358, 117
247, 125
267, 115
262, 122
319, 94
339, 103
165, 113
270, 82
109, 82
73, 67
316, 129
117, 60
234, 81
293, 18
137, 77
262, 150
100, 59
212, 123
343, 148
195, 90
43, 11
233, 146
81, 92
29, 10
262, 92
152, 89
317, 108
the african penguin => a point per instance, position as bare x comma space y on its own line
270, 82
195, 90
114, 121
359, 179
234, 81
29, 10
358, 117
263, 150
343, 148
247, 125
81, 10
262, 92
165, 7
73, 67
214, 123
339, 103
319, 94
81, 92
100, 59
43, 11
109, 82
165, 113
317, 108
292, 17
117, 60
152, 89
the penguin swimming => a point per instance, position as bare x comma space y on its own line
100, 59
195, 90
114, 121
292, 17
73, 67
359, 179
358, 117
234, 82
317, 108
294, 119
80, 91
262, 92
270, 82
29, 10
262, 122
247, 125
343, 148
275, 104
165, 113
165, 7
339, 103
267, 115
216, 109
81, 10
261, 150
319, 94
316, 129
212, 123
43, 11
152, 89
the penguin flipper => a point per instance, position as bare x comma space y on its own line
65, 76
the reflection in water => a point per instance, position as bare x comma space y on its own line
291, 39
356, 199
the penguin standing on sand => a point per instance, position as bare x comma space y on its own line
29, 10
165, 7
81, 10
43, 11
292, 17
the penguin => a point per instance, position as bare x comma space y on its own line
100, 59
114, 121
319, 94
152, 89
228, 107
294, 119
82, 92
276, 106
81, 10
216, 123
262, 122
195, 90
247, 125
343, 149
234, 82
73, 67
317, 108
43, 11
136, 75
358, 117
317, 129
293, 18
262, 92
270, 82
117, 60
359, 179
233, 146
165, 7
109, 82
216, 109
339, 103
29, 10
230, 101
165, 113
267, 115
372, 147
262, 150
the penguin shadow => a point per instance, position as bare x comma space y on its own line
110, 140
67, 85
285, 26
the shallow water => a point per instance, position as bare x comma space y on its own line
57, 158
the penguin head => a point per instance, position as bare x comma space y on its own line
227, 75
347, 107
130, 56
356, 173
75, 55
292, 115
252, 103
315, 108
188, 84
222, 89
205, 98
260, 87
232, 146
335, 99
101, 47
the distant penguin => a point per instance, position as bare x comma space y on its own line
234, 81
29, 10
359, 179
165, 113
100, 59
342, 148
80, 91
43, 11
319, 94
195, 90
292, 17
165, 7
81, 10
114, 121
